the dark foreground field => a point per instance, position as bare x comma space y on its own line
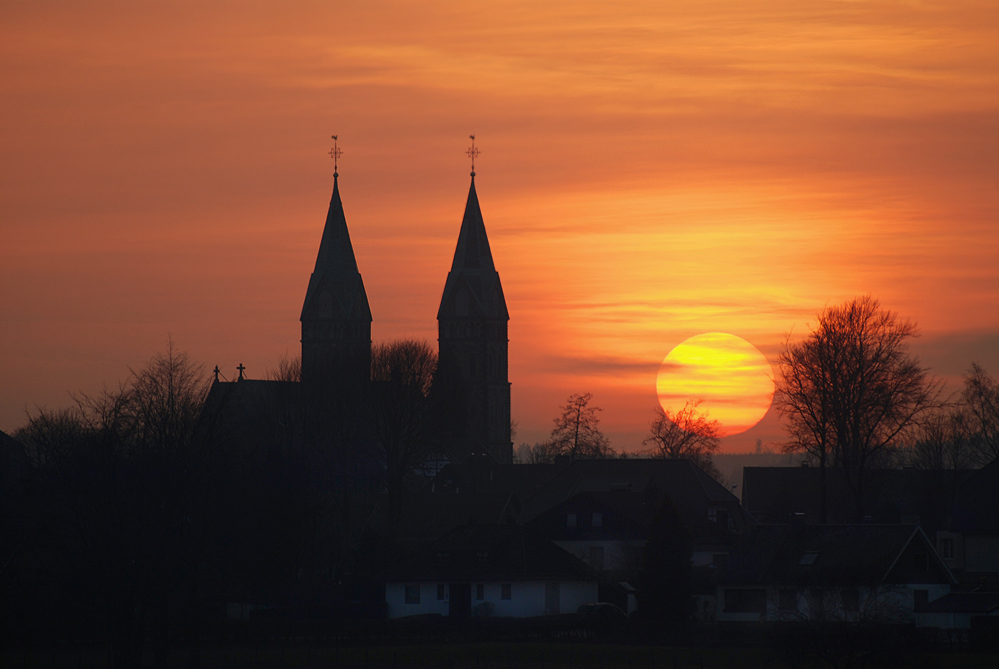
442, 655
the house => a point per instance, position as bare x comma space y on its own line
971, 540
608, 529
911, 496
686, 483
426, 517
956, 610
957, 509
819, 573
490, 570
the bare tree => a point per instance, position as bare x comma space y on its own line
850, 390
124, 498
526, 454
981, 395
405, 418
685, 434
945, 439
289, 369
576, 433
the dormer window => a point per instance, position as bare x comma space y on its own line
718, 515
808, 559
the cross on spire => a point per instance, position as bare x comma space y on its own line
241, 369
335, 154
472, 152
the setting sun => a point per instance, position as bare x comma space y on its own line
727, 373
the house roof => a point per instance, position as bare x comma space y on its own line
626, 516
976, 508
475, 552
484, 474
686, 483
473, 288
428, 516
775, 494
840, 555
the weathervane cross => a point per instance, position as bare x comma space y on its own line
335, 154
472, 152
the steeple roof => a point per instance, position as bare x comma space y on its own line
336, 271
473, 274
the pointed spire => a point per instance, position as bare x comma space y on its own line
336, 266
473, 245
472, 269
336, 318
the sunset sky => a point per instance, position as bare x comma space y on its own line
649, 172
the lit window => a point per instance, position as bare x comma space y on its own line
506, 591
412, 594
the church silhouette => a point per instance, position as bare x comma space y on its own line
336, 339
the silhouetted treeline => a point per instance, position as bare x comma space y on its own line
149, 512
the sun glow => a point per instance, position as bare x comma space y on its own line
729, 375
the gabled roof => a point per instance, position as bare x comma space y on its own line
491, 553
336, 272
427, 516
686, 483
484, 474
473, 288
626, 516
775, 494
840, 555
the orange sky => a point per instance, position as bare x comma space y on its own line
649, 171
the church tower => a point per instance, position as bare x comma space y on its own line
336, 319
472, 336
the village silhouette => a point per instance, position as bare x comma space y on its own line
365, 506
